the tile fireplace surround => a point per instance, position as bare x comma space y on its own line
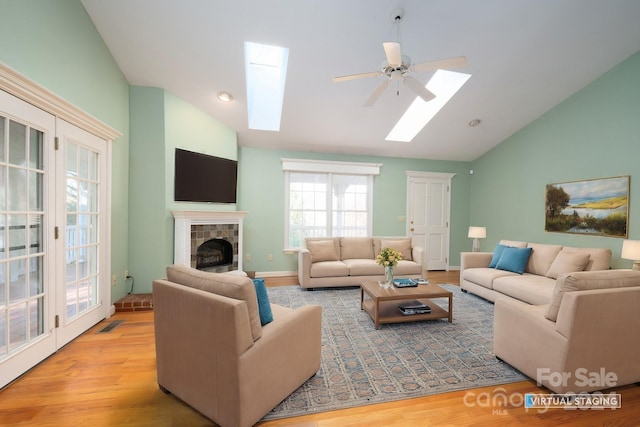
192, 228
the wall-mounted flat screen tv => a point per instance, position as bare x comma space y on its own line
204, 178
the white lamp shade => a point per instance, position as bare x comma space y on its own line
631, 250
477, 232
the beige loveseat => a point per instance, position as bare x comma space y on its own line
348, 261
214, 354
585, 339
535, 286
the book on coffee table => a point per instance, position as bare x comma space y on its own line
414, 307
405, 283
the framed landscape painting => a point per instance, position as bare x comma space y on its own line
597, 207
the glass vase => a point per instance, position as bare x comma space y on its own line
388, 275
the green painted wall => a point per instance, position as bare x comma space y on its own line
593, 134
55, 44
261, 194
160, 122
148, 235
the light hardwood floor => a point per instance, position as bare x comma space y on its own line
109, 379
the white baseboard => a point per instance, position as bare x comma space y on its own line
276, 273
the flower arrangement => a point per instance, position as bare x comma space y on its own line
388, 257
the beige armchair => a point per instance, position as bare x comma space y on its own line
214, 354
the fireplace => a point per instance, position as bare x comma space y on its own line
220, 231
214, 253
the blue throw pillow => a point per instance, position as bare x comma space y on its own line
497, 253
264, 307
514, 259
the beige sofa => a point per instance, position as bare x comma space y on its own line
214, 354
535, 286
348, 261
586, 339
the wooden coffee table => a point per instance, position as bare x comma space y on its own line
382, 303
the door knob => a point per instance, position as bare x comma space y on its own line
411, 229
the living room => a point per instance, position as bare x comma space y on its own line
591, 134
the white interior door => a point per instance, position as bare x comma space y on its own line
27, 285
428, 199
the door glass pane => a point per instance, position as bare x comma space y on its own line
35, 149
17, 144
35, 234
35, 277
17, 191
17, 235
3, 237
83, 192
3, 126
35, 191
36, 317
3, 192
17, 326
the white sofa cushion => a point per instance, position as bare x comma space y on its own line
513, 243
329, 269
407, 268
541, 258
363, 267
583, 280
322, 250
401, 245
530, 288
356, 248
568, 262
485, 276
599, 259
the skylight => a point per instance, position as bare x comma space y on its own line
444, 84
266, 72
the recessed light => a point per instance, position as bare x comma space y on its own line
225, 96
475, 122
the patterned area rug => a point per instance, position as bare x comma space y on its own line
362, 365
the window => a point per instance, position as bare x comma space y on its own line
327, 199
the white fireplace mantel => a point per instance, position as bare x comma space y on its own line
182, 231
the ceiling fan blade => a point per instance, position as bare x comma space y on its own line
376, 93
393, 52
458, 61
357, 76
418, 88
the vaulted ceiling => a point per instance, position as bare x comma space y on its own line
524, 56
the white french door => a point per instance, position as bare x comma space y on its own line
27, 307
53, 245
82, 270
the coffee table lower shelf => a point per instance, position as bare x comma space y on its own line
388, 312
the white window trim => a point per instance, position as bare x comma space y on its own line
326, 166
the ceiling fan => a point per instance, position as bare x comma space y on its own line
398, 66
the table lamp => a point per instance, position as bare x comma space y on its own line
631, 250
476, 233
